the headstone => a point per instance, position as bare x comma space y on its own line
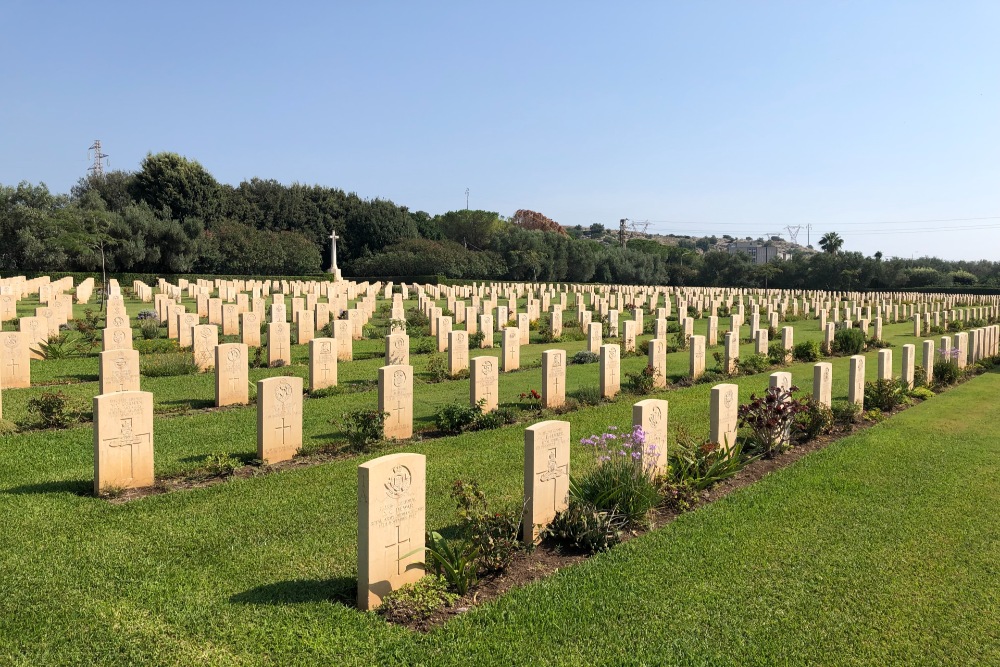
546, 475
232, 374
206, 337
397, 349
885, 364
230, 320
511, 350
628, 335
344, 335
823, 383
856, 388
458, 352
305, 328
760, 342
119, 371
279, 344
594, 337
322, 363
486, 326
697, 358
610, 372
651, 414
395, 396
553, 378
908, 364
279, 417
723, 415
657, 352
117, 339
484, 383
787, 341
15, 360
391, 522
250, 328
123, 441
928, 361
730, 352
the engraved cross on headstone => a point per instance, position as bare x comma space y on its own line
398, 546
127, 438
283, 429
551, 474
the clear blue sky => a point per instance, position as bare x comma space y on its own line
741, 117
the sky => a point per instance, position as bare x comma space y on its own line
876, 120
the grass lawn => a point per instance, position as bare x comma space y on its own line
882, 549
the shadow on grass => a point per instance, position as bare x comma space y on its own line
340, 590
79, 487
191, 404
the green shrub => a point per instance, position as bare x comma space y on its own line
946, 372
417, 601
642, 382
156, 346
922, 393
588, 395
416, 319
221, 465
53, 409
456, 417
815, 420
776, 354
437, 368
753, 364
806, 351
494, 419
496, 534
364, 429
679, 496
845, 413
424, 345
849, 341
150, 330
585, 527
476, 340
168, 365
585, 357
885, 395
59, 346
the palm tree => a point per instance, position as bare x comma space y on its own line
831, 242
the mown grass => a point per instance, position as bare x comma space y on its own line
879, 550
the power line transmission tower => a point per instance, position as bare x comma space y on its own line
628, 228
793, 233
98, 167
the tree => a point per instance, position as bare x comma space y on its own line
474, 229
831, 243
178, 187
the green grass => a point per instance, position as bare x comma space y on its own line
881, 549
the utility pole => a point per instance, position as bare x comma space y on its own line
808, 234
466, 199
622, 224
98, 167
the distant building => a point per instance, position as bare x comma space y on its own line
759, 252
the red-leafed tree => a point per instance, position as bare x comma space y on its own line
535, 220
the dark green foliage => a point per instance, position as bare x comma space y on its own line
776, 354
150, 329
885, 395
806, 351
753, 364
364, 429
52, 409
849, 341
417, 601
423, 345
946, 372
437, 368
588, 396
495, 534
454, 418
845, 413
641, 383
476, 340
495, 419
815, 420
155, 346
585, 527
585, 357
456, 562
700, 463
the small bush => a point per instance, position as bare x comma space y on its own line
168, 365
52, 409
495, 419
221, 465
701, 463
875, 416
814, 421
679, 496
585, 357
946, 372
806, 351
59, 346
585, 527
753, 364
416, 319
922, 393
417, 601
146, 315
476, 340
588, 396
845, 413
456, 563
456, 417
150, 330
643, 382
7, 427
424, 345
849, 341
495, 534
885, 395
156, 346
364, 429
622, 481
776, 354
437, 368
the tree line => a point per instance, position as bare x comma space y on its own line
172, 216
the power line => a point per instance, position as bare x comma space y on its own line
709, 223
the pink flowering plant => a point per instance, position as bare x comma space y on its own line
623, 478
